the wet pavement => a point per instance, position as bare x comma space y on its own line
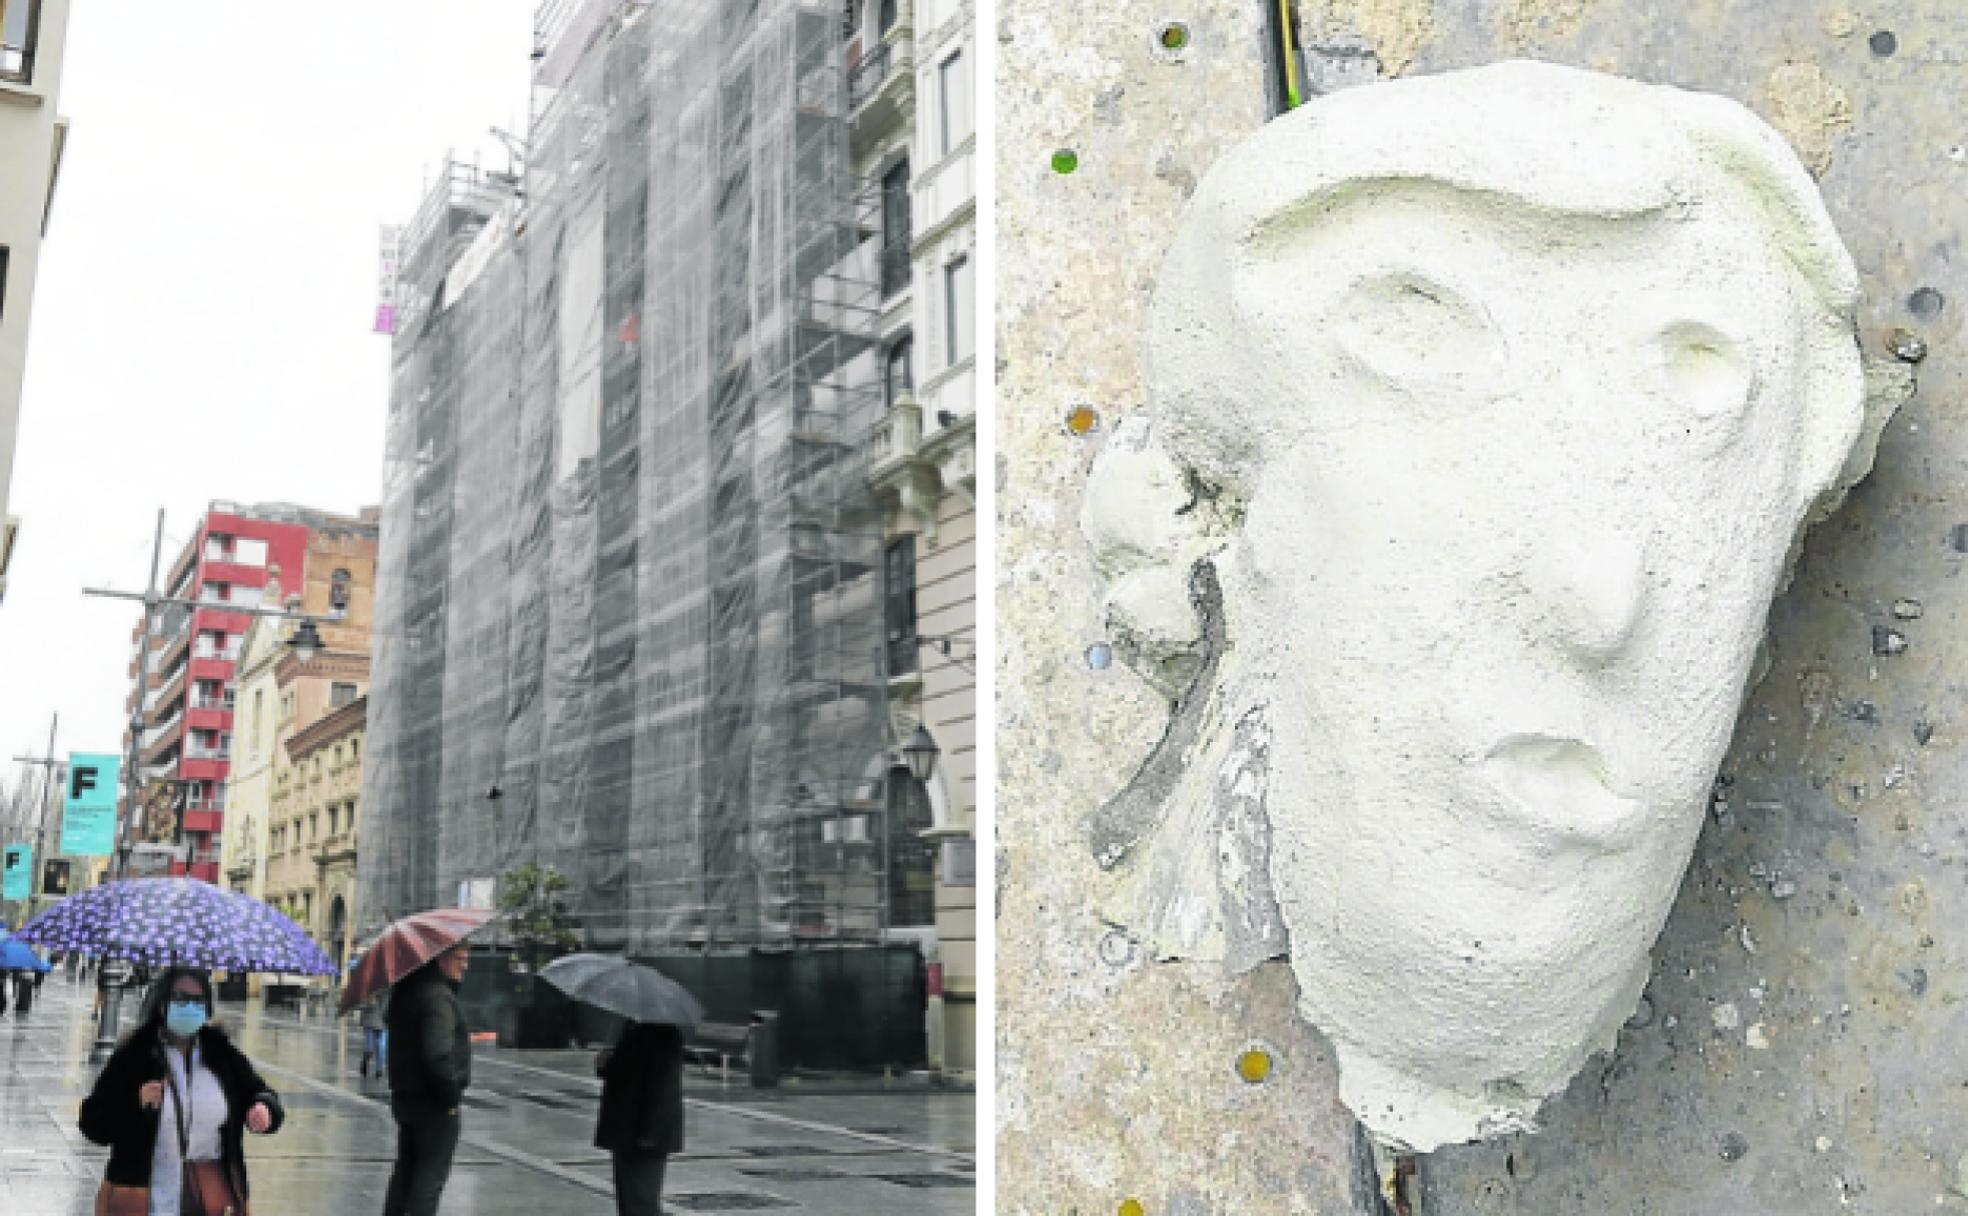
858, 1147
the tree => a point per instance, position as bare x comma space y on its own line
541, 927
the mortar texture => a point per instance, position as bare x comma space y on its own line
1800, 1045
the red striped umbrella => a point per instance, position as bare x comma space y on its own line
407, 945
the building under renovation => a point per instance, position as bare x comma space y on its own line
629, 614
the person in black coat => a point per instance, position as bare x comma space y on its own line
641, 1121
429, 1071
126, 1108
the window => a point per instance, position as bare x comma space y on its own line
911, 859
895, 228
898, 378
259, 712
960, 308
852, 24
890, 10
250, 552
340, 695
899, 604
3, 282
338, 592
953, 78
20, 22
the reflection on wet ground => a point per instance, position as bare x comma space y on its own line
860, 1148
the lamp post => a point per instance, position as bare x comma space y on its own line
51, 774
921, 752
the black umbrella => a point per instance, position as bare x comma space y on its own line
636, 992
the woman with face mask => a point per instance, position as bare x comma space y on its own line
173, 1104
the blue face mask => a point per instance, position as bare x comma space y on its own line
185, 1018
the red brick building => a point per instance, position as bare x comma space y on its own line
185, 751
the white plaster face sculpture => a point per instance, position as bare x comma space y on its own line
1486, 411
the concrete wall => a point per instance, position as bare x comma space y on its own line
1801, 1048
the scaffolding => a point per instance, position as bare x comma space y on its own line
628, 609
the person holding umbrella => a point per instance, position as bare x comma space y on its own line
173, 1104
428, 1074
424, 958
641, 1118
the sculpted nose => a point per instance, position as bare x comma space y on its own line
1592, 585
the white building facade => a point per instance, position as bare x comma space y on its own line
913, 94
32, 136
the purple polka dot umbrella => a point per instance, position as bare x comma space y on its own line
161, 921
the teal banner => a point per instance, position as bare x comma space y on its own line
18, 882
89, 805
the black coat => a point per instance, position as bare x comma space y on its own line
642, 1093
429, 1047
112, 1113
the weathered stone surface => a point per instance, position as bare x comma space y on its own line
1121, 1082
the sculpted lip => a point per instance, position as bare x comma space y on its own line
1562, 786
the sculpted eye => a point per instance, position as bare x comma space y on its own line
1704, 370
1409, 330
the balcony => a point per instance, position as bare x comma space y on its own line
166, 703
205, 751
896, 437
879, 84
337, 848
166, 741
868, 76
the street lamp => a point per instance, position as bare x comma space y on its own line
306, 642
921, 752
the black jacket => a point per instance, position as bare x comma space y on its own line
113, 1115
642, 1093
429, 1047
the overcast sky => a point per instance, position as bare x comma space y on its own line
201, 325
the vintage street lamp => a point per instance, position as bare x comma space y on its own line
921, 752
306, 642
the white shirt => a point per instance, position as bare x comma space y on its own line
206, 1110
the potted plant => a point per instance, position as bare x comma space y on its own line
542, 930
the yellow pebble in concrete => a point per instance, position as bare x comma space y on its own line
1254, 1066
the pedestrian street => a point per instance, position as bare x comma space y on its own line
832, 1146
